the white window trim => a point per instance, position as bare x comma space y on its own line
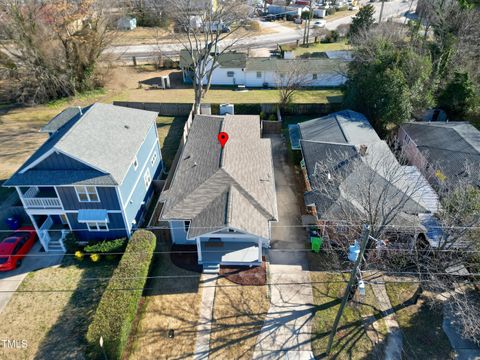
259, 74
154, 158
135, 164
87, 193
97, 226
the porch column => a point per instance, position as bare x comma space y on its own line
199, 249
260, 249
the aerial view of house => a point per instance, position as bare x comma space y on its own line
93, 175
221, 199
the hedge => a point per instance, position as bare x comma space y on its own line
106, 246
118, 305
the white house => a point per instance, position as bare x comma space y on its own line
239, 69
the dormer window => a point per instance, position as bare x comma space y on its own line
87, 194
135, 163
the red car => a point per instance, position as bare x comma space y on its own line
14, 247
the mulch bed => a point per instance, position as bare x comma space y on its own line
185, 257
244, 275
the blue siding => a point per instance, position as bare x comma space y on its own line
133, 190
108, 199
82, 233
58, 161
177, 228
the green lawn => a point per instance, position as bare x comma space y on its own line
354, 339
52, 310
170, 130
321, 47
423, 337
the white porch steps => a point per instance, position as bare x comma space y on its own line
211, 268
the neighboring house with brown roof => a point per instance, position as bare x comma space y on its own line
442, 150
223, 200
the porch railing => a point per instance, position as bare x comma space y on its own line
42, 203
43, 234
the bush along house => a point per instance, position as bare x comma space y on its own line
93, 176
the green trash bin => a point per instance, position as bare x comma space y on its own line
317, 243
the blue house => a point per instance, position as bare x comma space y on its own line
93, 175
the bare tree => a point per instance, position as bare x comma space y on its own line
53, 48
289, 77
205, 32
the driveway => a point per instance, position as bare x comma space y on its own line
11, 280
286, 331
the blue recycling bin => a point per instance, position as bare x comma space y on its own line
13, 222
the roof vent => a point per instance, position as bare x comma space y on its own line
195, 163
127, 127
363, 150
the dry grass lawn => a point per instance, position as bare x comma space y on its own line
239, 312
360, 329
170, 303
51, 317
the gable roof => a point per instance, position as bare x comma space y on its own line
215, 188
106, 138
61, 119
314, 65
447, 145
228, 59
341, 127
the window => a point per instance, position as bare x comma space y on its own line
154, 158
97, 226
282, 75
314, 77
406, 139
87, 194
135, 163
259, 74
147, 178
187, 226
230, 73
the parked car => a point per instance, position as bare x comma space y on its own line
352, 8
14, 248
319, 24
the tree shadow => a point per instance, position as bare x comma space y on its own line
66, 339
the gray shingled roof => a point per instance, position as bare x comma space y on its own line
320, 66
447, 145
106, 137
341, 127
227, 60
217, 188
349, 172
61, 119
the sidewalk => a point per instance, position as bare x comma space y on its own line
202, 344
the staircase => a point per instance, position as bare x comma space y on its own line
211, 268
55, 245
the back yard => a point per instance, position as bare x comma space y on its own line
52, 309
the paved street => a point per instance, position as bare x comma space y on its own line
286, 331
282, 34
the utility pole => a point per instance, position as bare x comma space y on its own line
381, 12
348, 289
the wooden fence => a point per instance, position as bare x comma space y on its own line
168, 109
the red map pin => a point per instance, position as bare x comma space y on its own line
222, 138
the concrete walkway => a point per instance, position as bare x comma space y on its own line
202, 343
11, 280
286, 332
394, 345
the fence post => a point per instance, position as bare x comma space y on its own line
134, 59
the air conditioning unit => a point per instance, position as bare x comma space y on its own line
227, 109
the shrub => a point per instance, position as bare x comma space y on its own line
272, 117
331, 11
262, 115
343, 8
253, 25
107, 246
79, 255
118, 305
71, 243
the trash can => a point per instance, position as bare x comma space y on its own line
317, 243
13, 222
